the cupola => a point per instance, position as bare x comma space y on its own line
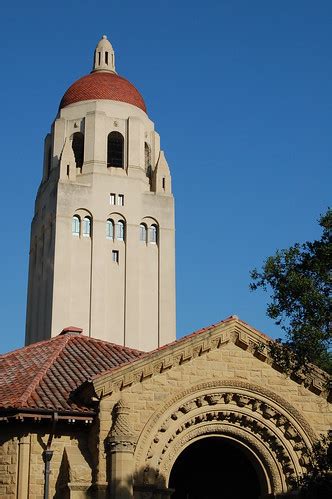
103, 83
104, 56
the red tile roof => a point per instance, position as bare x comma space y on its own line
42, 375
103, 85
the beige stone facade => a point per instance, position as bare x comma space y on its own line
117, 284
214, 384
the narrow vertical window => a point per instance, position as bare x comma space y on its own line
75, 226
164, 183
120, 200
115, 150
147, 156
115, 256
142, 232
106, 58
109, 229
153, 234
48, 161
120, 230
86, 227
112, 198
78, 148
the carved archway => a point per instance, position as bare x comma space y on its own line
269, 427
211, 466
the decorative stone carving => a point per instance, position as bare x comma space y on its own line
277, 432
228, 398
188, 406
242, 400
233, 331
267, 411
121, 435
213, 398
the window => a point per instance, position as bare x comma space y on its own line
86, 227
106, 58
112, 198
75, 226
120, 227
142, 232
115, 150
120, 200
115, 256
48, 161
153, 234
78, 148
147, 155
109, 229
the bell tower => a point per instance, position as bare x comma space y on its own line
102, 253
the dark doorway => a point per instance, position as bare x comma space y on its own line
214, 468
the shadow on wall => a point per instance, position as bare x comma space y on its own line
145, 485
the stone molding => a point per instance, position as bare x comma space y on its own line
232, 330
274, 480
252, 415
121, 438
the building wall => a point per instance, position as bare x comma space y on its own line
8, 465
110, 458
186, 393
213, 383
74, 280
22, 465
228, 363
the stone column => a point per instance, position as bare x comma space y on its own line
121, 446
23, 467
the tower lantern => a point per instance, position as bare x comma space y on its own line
102, 252
104, 56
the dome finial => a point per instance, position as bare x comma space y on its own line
104, 59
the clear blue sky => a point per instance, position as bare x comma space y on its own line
240, 92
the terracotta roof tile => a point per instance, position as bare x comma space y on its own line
42, 375
103, 86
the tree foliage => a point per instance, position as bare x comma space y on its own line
318, 483
299, 279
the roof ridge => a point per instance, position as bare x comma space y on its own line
55, 338
89, 338
195, 333
28, 347
167, 345
62, 343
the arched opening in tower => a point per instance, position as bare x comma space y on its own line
115, 150
78, 148
215, 467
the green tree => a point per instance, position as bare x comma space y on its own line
299, 280
317, 484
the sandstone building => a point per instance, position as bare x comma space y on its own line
115, 407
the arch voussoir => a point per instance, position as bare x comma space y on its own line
278, 438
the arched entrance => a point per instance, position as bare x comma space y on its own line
230, 438
214, 467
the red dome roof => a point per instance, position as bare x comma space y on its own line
103, 85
